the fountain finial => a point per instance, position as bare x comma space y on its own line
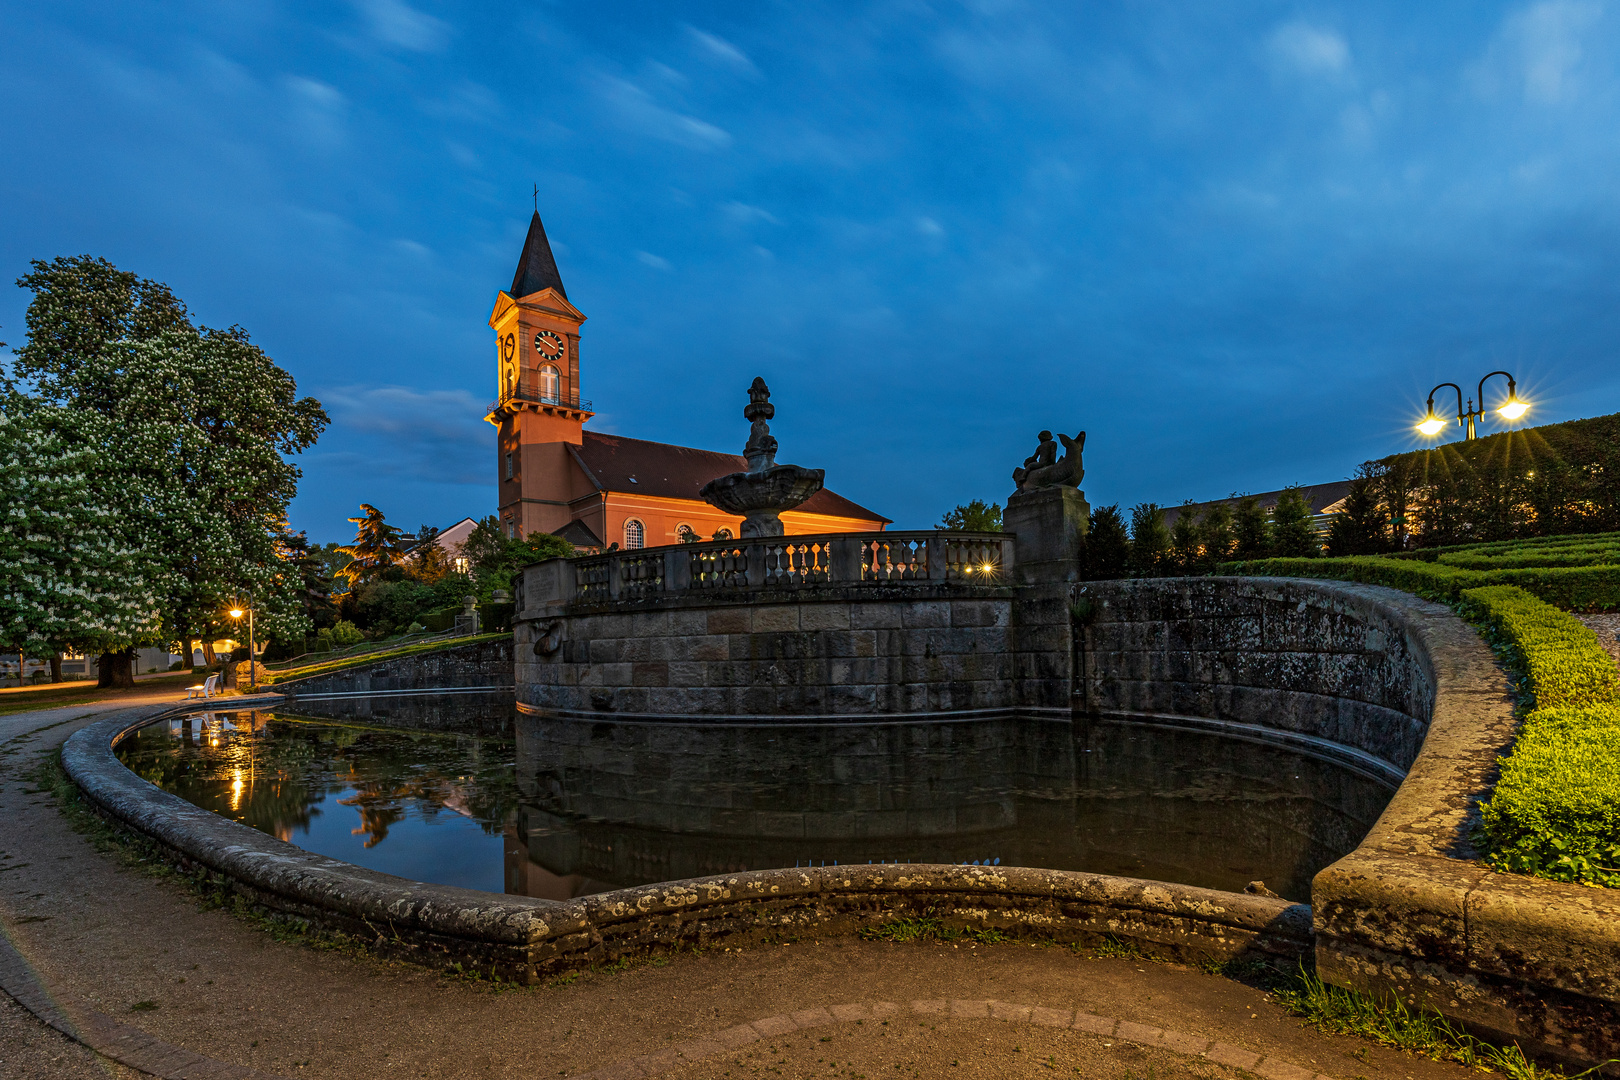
766, 489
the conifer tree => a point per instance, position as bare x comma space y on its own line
1108, 545
1293, 534
1215, 532
1150, 540
1251, 530
375, 547
1361, 527
1185, 548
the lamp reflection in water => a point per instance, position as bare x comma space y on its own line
1511, 409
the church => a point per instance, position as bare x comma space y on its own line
591, 489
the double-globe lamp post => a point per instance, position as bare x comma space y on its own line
1511, 409
253, 669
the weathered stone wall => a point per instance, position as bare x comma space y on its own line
848, 652
486, 663
1337, 663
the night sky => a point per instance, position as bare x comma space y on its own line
1236, 243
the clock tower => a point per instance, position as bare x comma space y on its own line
538, 410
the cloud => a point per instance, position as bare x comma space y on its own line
647, 258
740, 213
435, 435
317, 109
638, 110
1310, 50
1538, 50
721, 50
927, 226
397, 23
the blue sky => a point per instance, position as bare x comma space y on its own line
1236, 243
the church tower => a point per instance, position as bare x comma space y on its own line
537, 410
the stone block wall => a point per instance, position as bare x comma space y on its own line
1333, 662
843, 654
486, 663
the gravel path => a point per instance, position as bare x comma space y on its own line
1607, 628
137, 949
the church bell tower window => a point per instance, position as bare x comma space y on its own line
550, 383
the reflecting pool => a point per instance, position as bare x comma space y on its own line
561, 808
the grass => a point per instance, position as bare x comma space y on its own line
53, 695
1388, 1021
930, 928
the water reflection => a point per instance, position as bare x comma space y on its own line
568, 807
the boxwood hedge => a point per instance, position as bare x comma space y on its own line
1555, 811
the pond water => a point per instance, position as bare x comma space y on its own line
562, 808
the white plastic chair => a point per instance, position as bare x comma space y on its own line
203, 689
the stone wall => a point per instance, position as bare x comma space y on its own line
485, 663
840, 653
1339, 664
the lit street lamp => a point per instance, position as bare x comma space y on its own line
253, 670
1511, 409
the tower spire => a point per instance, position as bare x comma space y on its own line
537, 268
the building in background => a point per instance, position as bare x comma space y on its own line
591, 489
1325, 500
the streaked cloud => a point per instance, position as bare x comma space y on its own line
1310, 50
719, 49
657, 262
397, 23
638, 110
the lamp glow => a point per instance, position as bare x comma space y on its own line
1513, 409
236, 613
1432, 424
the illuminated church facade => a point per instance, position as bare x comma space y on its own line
592, 489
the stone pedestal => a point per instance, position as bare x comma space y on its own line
1049, 525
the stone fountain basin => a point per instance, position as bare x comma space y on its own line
780, 487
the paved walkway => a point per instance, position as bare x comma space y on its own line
129, 964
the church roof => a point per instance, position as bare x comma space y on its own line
536, 268
617, 463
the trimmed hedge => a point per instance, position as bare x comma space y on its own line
1576, 588
1555, 811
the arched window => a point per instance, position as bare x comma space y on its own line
686, 534
549, 383
635, 534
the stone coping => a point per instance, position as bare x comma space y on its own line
526, 938
946, 716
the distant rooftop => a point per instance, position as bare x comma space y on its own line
1323, 499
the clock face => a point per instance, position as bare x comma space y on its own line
549, 345
508, 347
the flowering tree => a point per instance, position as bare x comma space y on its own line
67, 578
189, 428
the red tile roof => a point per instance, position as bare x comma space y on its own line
617, 463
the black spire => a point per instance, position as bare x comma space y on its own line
537, 269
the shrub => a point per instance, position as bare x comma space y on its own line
1555, 811
1576, 588
345, 634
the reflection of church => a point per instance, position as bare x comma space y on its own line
589, 488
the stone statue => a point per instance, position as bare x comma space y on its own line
760, 494
1044, 468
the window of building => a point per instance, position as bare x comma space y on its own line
550, 381
509, 466
460, 563
635, 534
686, 534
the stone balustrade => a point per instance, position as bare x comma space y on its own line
773, 564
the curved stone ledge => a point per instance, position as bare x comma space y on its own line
525, 938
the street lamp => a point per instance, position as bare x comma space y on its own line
253, 670
1511, 409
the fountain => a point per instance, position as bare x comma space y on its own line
766, 489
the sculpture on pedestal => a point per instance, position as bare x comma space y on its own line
1044, 468
766, 489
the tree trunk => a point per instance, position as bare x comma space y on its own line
116, 670
56, 668
209, 657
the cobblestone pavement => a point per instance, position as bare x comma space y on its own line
132, 965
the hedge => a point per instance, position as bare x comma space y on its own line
1555, 811
1575, 588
